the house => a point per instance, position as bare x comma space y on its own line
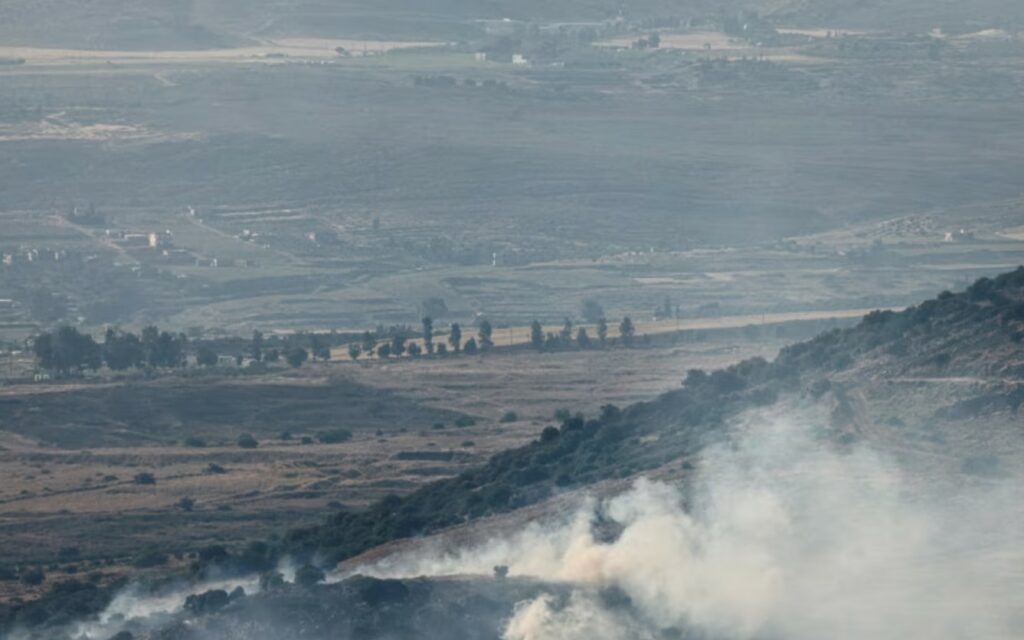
520, 60
159, 239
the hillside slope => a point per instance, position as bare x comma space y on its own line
977, 336
939, 386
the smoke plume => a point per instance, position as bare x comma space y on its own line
783, 537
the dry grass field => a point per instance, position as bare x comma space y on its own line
86, 497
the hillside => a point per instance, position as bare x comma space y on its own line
976, 334
205, 24
939, 385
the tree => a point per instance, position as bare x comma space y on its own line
272, 355
150, 345
428, 334
455, 337
654, 40
566, 334
256, 346
206, 356
67, 350
398, 345
602, 330
536, 335
591, 311
627, 330
384, 350
320, 347
484, 334
582, 338
297, 356
414, 349
354, 350
122, 350
442, 349
470, 347
163, 349
369, 343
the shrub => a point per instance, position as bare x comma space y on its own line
334, 436
308, 575
246, 441
464, 421
510, 416
193, 441
144, 478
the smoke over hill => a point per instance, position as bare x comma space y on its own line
783, 539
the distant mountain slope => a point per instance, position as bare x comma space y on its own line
974, 335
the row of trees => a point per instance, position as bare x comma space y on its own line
398, 345
66, 350
564, 338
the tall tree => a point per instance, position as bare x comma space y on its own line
428, 334
151, 345
602, 330
455, 337
626, 331
398, 345
583, 338
369, 343
354, 350
484, 334
470, 346
536, 335
256, 346
122, 350
566, 333
320, 346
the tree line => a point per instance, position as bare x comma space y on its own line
67, 350
566, 339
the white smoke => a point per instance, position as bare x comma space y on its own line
784, 538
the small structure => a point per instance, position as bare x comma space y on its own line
520, 60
